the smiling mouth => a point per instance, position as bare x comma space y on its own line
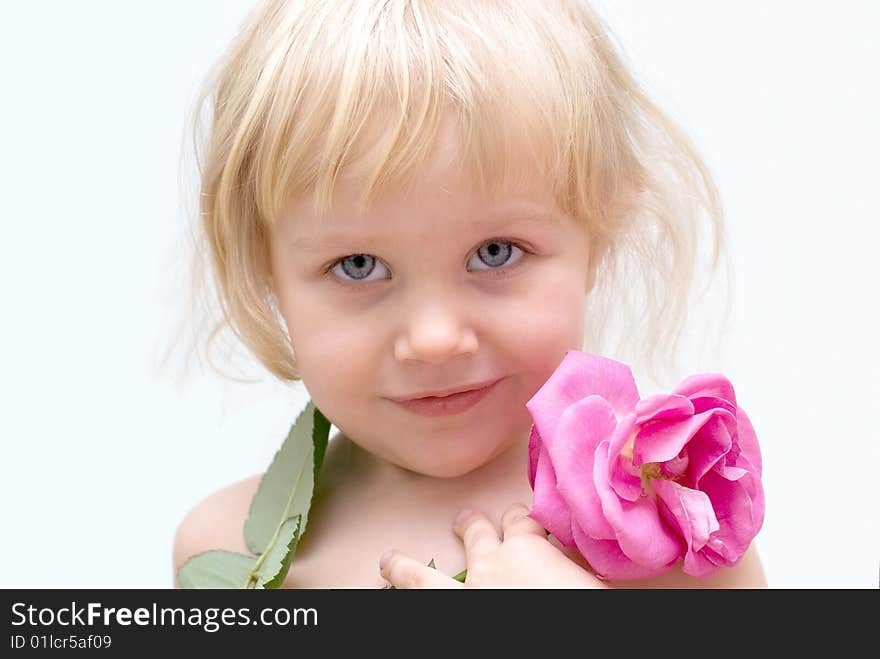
449, 392
454, 403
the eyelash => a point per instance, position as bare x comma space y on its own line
491, 272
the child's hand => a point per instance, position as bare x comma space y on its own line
521, 557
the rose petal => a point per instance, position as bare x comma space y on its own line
748, 459
755, 491
739, 517
580, 375
712, 385
701, 563
625, 478
748, 441
730, 473
709, 445
691, 512
608, 560
640, 531
659, 441
549, 509
534, 451
582, 426
707, 403
676, 467
711, 391
663, 406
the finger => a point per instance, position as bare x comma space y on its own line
516, 521
478, 534
404, 572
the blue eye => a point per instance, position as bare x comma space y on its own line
357, 267
495, 254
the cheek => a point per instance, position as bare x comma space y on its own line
338, 373
333, 350
337, 356
544, 329
319, 331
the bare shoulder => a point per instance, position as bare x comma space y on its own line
215, 522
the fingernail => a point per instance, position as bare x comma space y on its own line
463, 515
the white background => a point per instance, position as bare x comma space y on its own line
103, 453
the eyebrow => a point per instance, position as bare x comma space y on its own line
494, 219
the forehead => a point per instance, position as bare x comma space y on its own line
435, 207
339, 230
441, 190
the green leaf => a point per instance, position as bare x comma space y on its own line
286, 489
277, 516
320, 436
216, 568
273, 566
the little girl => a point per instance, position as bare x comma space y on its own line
417, 207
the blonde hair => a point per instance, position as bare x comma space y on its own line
293, 97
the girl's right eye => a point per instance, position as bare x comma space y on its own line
358, 267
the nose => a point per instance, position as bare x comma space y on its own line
434, 333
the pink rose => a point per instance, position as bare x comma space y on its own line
637, 484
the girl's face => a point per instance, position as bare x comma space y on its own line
438, 290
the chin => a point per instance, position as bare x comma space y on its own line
451, 471
449, 466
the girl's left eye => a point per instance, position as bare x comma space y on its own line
489, 256
495, 254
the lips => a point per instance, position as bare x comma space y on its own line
451, 403
444, 393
